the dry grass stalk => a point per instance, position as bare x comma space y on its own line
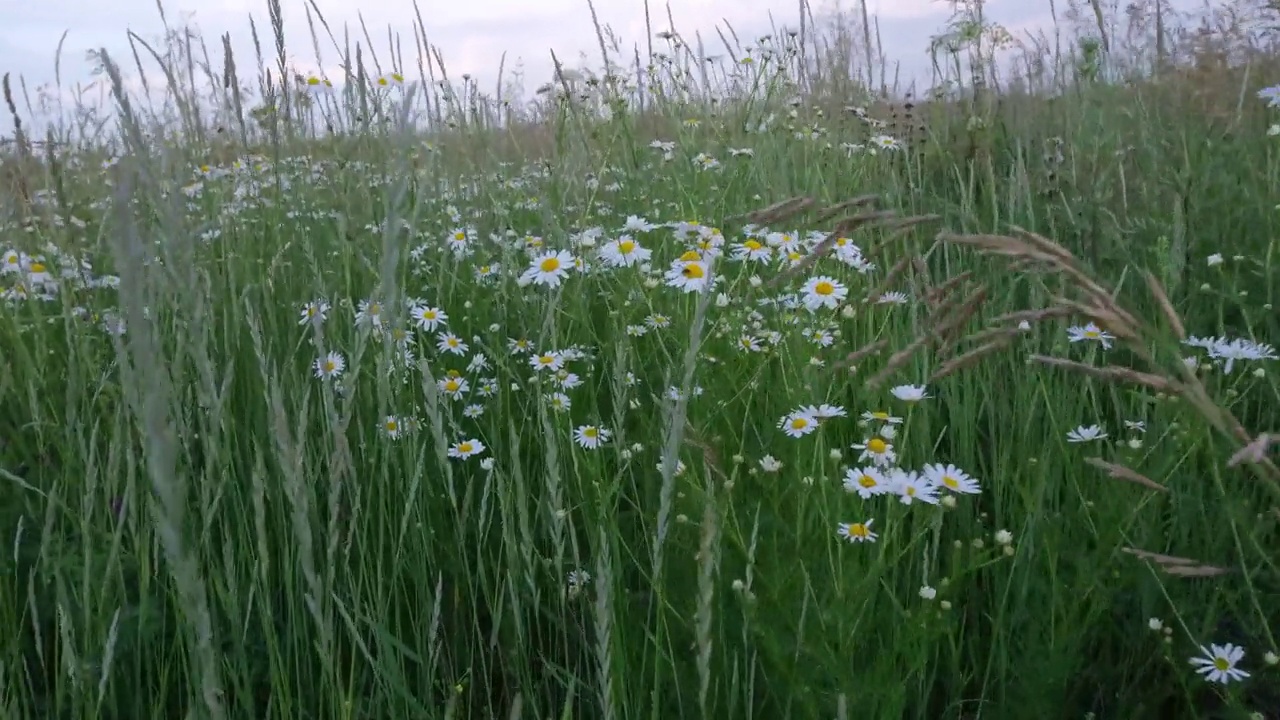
1032, 316
865, 351
1121, 472
1114, 373
709, 455
920, 276
899, 229
842, 229
988, 334
894, 272
1111, 318
834, 210
939, 293
1166, 307
944, 329
777, 212
969, 358
1178, 566
898, 359
1255, 452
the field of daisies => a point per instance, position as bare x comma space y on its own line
740, 410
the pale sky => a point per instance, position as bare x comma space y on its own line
472, 35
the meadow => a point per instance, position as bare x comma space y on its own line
697, 387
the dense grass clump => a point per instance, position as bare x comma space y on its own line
735, 390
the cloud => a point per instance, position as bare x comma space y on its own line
472, 36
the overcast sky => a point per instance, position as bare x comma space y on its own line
472, 35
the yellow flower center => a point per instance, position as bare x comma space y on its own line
330, 365
590, 432
799, 423
752, 245
465, 447
391, 425
1092, 334
451, 385
824, 288
551, 264
375, 308
37, 267
690, 256
950, 482
545, 359
867, 481
859, 530
459, 236
693, 271
1221, 664
626, 247
877, 446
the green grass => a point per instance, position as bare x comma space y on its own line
201, 527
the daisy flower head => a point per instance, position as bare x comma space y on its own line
624, 252
1220, 663
689, 273
879, 416
823, 292
798, 424
447, 342
454, 385
857, 532
392, 427
911, 487
548, 268
1086, 433
824, 411
591, 437
330, 366
549, 360
1092, 333
910, 393
866, 482
464, 449
428, 318
877, 450
316, 311
951, 478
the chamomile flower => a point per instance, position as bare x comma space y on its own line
591, 437
857, 532
1092, 333
1086, 433
910, 393
866, 482
447, 342
464, 449
689, 273
369, 315
454, 386
316, 311
552, 361
910, 487
330, 366
624, 252
428, 318
877, 450
880, 416
392, 427
798, 424
549, 269
1220, 663
951, 478
823, 292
